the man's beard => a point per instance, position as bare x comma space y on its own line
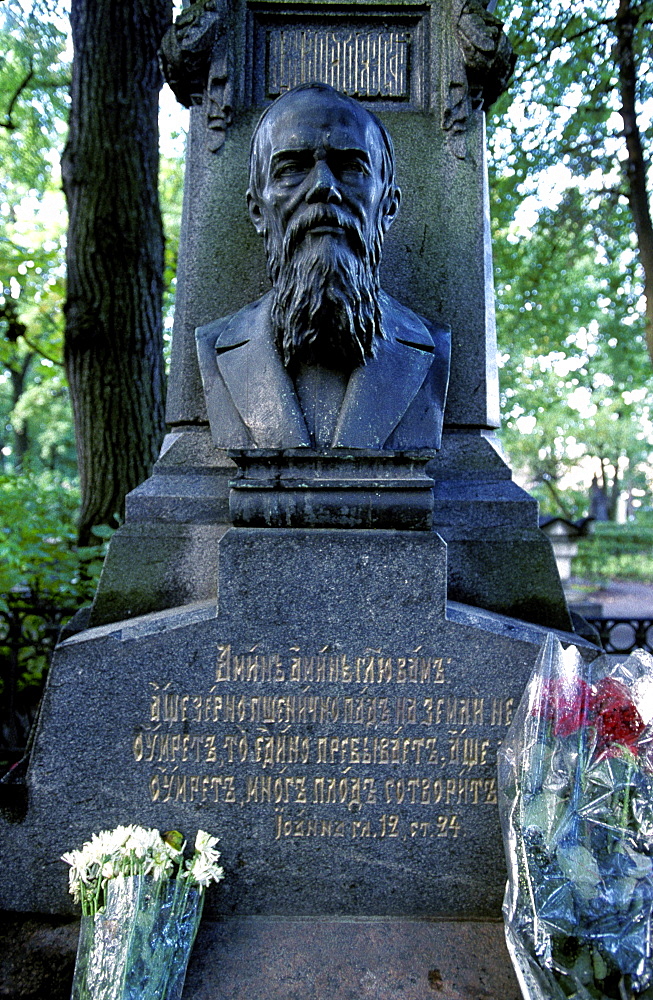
326, 291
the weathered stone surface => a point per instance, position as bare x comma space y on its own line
166, 553
346, 489
325, 719
154, 566
331, 959
37, 957
277, 958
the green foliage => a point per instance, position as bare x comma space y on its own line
34, 77
171, 184
616, 551
38, 540
44, 577
577, 396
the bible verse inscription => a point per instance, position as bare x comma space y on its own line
325, 745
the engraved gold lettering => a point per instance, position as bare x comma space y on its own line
223, 664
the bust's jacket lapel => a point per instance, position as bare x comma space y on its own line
259, 385
251, 399
380, 392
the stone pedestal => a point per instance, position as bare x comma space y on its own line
332, 718
437, 260
377, 959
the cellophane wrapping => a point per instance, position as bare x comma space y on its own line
138, 946
576, 804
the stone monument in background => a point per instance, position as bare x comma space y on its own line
312, 630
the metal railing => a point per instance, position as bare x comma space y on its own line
623, 635
29, 626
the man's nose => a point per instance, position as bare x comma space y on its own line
323, 186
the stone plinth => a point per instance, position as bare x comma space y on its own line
332, 718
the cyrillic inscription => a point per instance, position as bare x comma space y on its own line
326, 744
364, 63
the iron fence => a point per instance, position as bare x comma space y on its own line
623, 635
29, 625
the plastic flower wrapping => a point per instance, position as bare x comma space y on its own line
576, 804
142, 903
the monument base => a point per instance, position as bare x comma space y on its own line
498, 559
497, 556
331, 718
277, 958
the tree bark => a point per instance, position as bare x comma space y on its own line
21, 439
114, 339
635, 167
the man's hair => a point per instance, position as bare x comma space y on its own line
256, 176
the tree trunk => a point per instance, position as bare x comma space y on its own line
635, 166
21, 439
114, 338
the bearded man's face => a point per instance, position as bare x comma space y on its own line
323, 209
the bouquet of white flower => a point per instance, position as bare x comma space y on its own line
141, 903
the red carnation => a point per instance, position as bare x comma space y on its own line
567, 707
617, 719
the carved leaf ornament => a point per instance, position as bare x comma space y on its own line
477, 65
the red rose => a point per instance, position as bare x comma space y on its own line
567, 706
616, 717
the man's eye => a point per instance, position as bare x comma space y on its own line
291, 167
353, 166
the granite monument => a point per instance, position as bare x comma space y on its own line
281, 651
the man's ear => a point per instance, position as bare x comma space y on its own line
255, 213
390, 208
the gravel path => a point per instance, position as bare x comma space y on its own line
619, 598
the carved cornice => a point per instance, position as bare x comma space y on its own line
197, 61
476, 67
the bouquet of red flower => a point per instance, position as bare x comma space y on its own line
576, 803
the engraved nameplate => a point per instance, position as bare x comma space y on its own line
365, 63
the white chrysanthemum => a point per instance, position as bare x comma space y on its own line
142, 842
109, 870
204, 841
76, 872
204, 871
205, 845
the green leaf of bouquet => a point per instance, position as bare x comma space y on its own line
174, 838
544, 811
580, 866
621, 892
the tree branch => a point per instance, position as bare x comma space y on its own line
40, 352
8, 123
557, 498
545, 55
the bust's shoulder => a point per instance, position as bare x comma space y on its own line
227, 331
401, 323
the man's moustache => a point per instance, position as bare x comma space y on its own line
317, 216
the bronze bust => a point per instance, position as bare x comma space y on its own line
326, 359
